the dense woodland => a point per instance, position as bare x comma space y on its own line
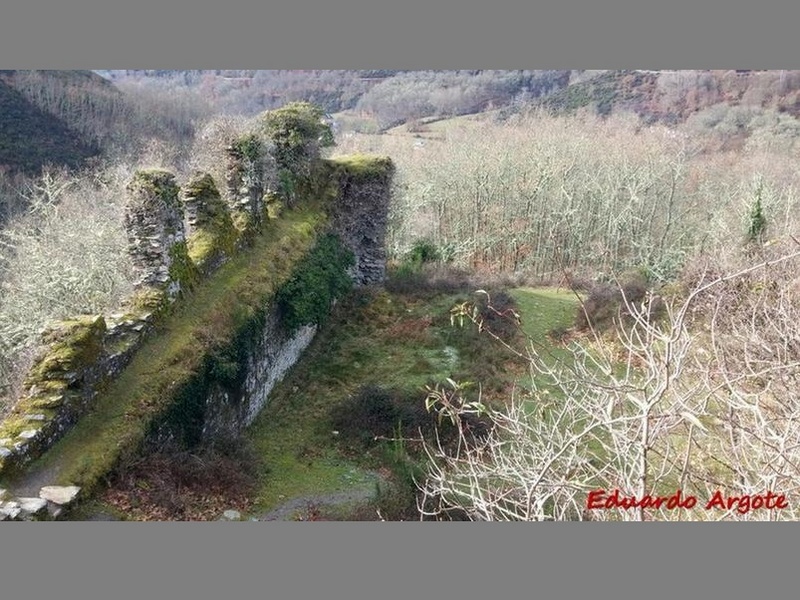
668, 203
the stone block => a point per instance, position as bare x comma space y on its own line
60, 495
33, 506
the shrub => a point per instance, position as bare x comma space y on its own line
758, 222
374, 413
608, 302
371, 412
176, 484
297, 129
423, 251
499, 317
427, 279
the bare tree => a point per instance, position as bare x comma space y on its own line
687, 416
66, 256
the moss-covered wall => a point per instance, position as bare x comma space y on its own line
211, 234
156, 234
197, 349
59, 387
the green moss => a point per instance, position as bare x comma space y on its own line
51, 386
147, 299
249, 147
71, 345
215, 234
182, 269
363, 167
12, 426
273, 205
242, 221
307, 297
208, 243
152, 184
293, 128
47, 401
201, 246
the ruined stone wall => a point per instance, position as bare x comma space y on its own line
358, 215
178, 236
156, 234
248, 175
81, 354
362, 212
228, 410
211, 233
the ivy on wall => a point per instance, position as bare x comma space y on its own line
322, 276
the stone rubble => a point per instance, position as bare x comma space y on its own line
53, 502
60, 495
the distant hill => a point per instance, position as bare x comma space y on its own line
388, 97
250, 92
64, 117
31, 137
392, 97
674, 96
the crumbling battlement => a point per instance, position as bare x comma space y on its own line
156, 233
365, 192
178, 236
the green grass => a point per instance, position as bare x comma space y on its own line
363, 166
206, 319
384, 339
362, 343
544, 309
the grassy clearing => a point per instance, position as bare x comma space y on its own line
545, 311
205, 319
395, 341
373, 338
546, 314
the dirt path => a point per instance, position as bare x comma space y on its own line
303, 504
30, 482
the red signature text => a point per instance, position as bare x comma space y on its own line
600, 499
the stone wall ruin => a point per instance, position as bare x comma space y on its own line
178, 235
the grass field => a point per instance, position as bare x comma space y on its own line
392, 341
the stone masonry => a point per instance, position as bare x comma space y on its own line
154, 221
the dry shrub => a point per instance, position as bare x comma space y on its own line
374, 413
608, 303
497, 314
707, 403
176, 484
427, 280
